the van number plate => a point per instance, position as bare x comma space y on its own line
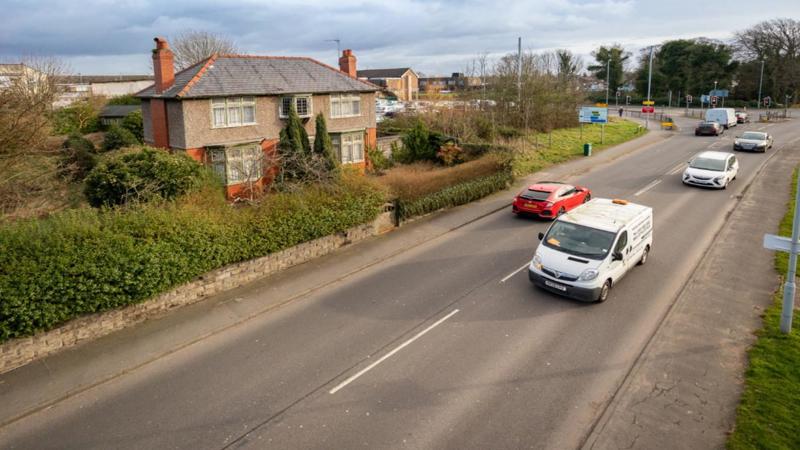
560, 287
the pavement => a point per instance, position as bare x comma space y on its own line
427, 337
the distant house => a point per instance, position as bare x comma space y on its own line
403, 82
77, 87
115, 114
227, 111
455, 82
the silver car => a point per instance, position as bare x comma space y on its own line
756, 141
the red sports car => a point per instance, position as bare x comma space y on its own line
550, 199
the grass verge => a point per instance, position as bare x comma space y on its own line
535, 152
768, 416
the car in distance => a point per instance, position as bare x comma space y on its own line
711, 169
756, 141
708, 129
549, 199
588, 250
741, 117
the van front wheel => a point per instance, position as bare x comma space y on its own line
604, 291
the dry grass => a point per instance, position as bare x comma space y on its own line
413, 181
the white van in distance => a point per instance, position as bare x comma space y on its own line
723, 116
589, 249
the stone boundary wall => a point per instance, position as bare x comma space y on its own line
18, 352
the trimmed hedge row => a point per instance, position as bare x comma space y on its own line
455, 195
86, 261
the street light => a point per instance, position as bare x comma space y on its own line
760, 79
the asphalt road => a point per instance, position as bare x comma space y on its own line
443, 346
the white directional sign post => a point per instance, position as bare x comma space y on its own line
791, 246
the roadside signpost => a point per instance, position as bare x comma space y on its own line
791, 246
714, 100
688, 102
594, 114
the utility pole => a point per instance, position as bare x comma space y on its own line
519, 72
669, 101
760, 79
649, 82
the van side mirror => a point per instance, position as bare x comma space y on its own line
616, 256
541, 235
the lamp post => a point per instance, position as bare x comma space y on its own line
649, 82
760, 79
608, 76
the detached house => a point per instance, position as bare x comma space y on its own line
227, 111
403, 83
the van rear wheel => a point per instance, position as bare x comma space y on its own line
646, 252
604, 292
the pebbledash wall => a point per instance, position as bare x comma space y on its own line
18, 352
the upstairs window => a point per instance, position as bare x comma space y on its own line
302, 105
233, 112
345, 106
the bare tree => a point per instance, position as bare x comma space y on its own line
193, 46
27, 93
777, 43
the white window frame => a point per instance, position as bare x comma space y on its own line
229, 106
349, 146
225, 161
343, 105
285, 114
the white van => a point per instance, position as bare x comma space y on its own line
723, 116
587, 250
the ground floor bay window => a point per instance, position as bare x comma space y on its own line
349, 147
237, 164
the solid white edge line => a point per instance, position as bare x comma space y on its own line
647, 188
388, 355
514, 272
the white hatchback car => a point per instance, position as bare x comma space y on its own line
711, 169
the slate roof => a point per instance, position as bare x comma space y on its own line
382, 73
226, 75
118, 110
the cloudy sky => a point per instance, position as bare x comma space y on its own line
433, 37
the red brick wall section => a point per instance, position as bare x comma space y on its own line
370, 141
197, 154
158, 115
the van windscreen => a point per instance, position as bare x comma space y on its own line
579, 240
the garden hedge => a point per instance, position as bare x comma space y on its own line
85, 261
455, 195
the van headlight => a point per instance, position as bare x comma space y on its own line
589, 274
537, 262
718, 180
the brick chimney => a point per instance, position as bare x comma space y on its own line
347, 63
163, 65
164, 72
